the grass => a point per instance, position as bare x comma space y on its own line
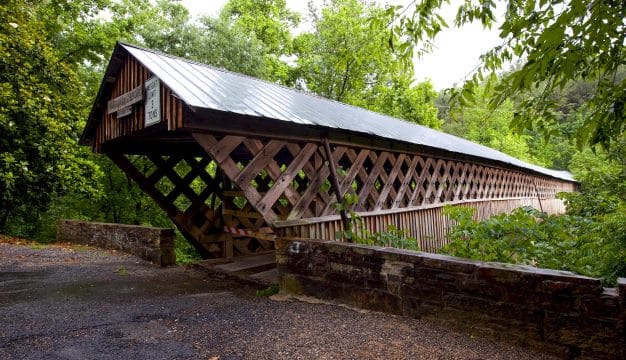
121, 271
267, 292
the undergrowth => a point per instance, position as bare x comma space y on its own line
185, 252
592, 245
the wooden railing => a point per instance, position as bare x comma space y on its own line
427, 224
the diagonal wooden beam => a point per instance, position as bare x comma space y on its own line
284, 181
210, 144
274, 170
382, 198
258, 163
406, 182
357, 165
182, 222
368, 186
335, 182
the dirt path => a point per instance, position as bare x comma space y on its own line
76, 303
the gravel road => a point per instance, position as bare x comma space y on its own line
63, 302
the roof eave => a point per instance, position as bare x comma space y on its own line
105, 84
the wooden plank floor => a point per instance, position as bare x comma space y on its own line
257, 268
267, 277
248, 263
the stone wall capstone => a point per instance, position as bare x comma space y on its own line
153, 244
557, 311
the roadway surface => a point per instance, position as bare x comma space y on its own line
64, 302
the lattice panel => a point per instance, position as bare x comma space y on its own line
286, 180
279, 179
385, 180
226, 199
197, 198
187, 189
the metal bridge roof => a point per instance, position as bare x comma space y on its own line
202, 86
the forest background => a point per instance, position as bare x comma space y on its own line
560, 105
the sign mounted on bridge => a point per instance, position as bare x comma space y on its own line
122, 105
153, 101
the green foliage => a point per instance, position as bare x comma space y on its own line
65, 45
602, 251
39, 156
487, 126
589, 239
503, 238
392, 237
267, 292
185, 252
588, 246
401, 99
223, 44
270, 22
558, 41
346, 58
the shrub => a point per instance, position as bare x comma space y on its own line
593, 246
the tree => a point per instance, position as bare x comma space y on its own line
164, 25
489, 127
558, 41
271, 22
224, 44
346, 58
39, 121
402, 99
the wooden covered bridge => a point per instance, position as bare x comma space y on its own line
236, 161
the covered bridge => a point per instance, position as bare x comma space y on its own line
236, 161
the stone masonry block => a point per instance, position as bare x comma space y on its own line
561, 312
152, 244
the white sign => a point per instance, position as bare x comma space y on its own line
153, 101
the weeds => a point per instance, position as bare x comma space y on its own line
267, 292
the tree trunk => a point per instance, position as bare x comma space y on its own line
4, 217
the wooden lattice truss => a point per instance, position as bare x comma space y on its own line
254, 184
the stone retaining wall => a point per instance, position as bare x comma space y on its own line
558, 311
149, 243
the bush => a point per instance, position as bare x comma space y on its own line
393, 237
593, 246
185, 252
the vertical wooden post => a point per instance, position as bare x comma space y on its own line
227, 219
335, 182
538, 195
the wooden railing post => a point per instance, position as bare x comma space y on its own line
345, 220
538, 195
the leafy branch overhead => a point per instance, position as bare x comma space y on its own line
558, 42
